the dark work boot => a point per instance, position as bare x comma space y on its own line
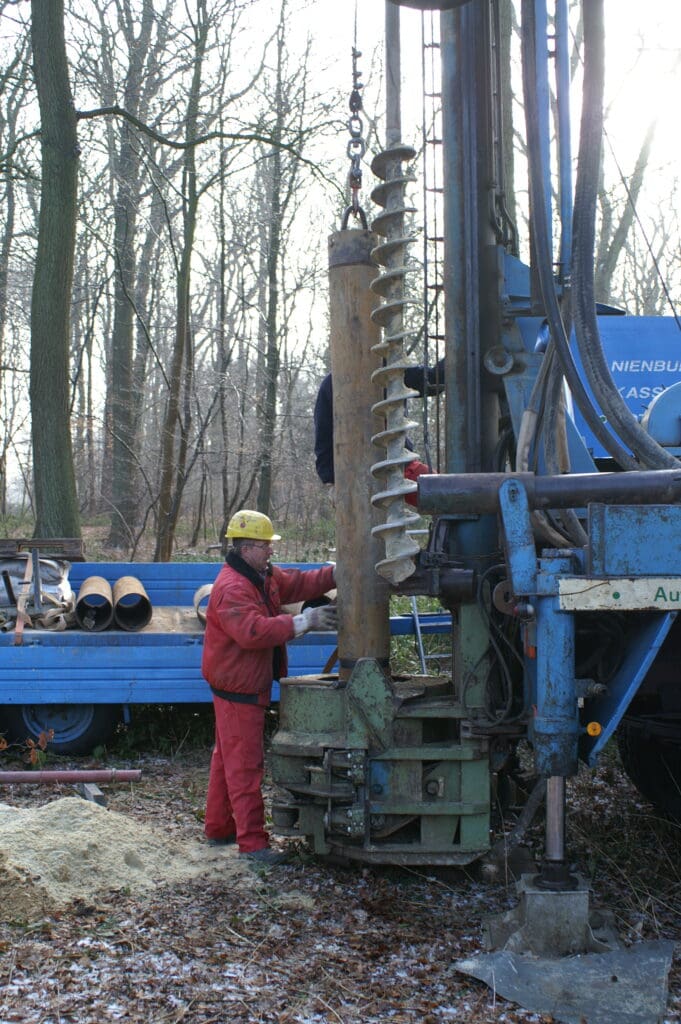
267, 857
222, 841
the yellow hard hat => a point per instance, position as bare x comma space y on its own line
251, 525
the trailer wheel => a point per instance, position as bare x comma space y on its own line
78, 728
653, 765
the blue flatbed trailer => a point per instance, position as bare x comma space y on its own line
81, 683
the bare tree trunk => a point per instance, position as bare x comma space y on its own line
120, 376
15, 81
88, 298
177, 420
55, 484
89, 439
268, 409
273, 232
5, 249
200, 521
125, 395
613, 235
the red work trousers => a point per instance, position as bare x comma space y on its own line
234, 804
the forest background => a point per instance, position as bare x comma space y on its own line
170, 171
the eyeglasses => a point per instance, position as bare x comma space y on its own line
260, 544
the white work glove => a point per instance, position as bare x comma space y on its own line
322, 619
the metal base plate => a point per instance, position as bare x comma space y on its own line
625, 985
556, 957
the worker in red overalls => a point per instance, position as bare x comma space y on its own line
244, 650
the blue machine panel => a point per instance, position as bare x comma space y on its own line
609, 709
644, 358
628, 540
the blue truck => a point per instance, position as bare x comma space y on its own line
81, 684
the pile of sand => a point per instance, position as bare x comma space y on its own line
73, 849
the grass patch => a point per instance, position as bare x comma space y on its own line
164, 729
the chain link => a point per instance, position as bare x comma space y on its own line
356, 147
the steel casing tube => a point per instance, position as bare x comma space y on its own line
132, 607
94, 605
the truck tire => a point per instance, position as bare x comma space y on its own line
78, 728
654, 766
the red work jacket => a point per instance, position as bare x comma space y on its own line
244, 647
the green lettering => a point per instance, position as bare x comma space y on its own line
660, 594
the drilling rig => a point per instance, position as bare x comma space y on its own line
555, 524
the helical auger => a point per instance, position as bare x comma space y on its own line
400, 547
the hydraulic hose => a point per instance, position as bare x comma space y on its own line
530, 418
556, 454
528, 435
593, 359
538, 174
554, 433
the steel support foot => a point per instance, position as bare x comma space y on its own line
555, 876
551, 922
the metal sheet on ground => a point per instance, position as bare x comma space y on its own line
628, 986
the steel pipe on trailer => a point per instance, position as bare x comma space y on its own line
68, 775
131, 605
94, 605
477, 493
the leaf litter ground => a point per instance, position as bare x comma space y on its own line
124, 914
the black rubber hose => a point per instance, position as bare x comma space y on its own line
593, 358
551, 424
554, 443
543, 251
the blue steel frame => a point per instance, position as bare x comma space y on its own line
643, 358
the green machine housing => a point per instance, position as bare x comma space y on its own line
381, 769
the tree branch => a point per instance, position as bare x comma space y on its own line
116, 111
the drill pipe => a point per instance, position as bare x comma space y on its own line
477, 493
66, 775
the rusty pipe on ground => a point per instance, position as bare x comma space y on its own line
76, 775
363, 601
